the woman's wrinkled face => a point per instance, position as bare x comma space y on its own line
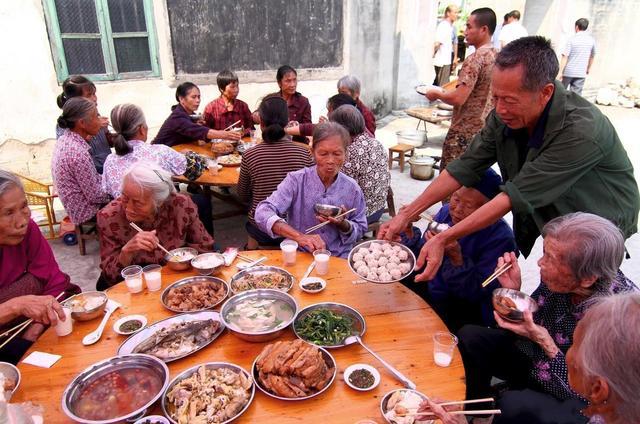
92, 123
554, 271
231, 91
191, 102
138, 203
330, 156
464, 202
14, 217
289, 83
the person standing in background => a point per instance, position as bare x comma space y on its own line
444, 46
577, 58
495, 39
512, 30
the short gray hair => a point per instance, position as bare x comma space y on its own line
610, 349
537, 58
326, 130
150, 177
8, 181
75, 109
597, 245
349, 117
351, 83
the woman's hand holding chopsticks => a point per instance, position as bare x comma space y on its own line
442, 412
510, 279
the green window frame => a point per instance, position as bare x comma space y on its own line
106, 37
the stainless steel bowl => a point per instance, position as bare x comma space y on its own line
12, 372
87, 314
258, 271
261, 336
183, 264
193, 280
510, 304
359, 326
385, 400
209, 365
89, 375
329, 360
326, 210
410, 258
197, 263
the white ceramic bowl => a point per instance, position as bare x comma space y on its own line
310, 280
372, 370
118, 323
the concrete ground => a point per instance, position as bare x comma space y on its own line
84, 270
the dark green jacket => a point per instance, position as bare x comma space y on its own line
580, 166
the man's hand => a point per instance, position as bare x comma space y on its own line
431, 253
511, 279
391, 229
310, 242
433, 94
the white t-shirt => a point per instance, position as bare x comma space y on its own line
511, 32
444, 36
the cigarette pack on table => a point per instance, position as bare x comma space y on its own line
229, 255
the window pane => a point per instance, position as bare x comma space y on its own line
127, 16
77, 16
132, 54
84, 56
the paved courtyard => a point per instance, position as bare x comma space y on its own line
84, 270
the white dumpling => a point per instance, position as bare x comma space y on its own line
404, 267
371, 275
381, 270
386, 246
383, 260
395, 259
377, 254
397, 248
403, 255
358, 257
375, 246
363, 251
358, 264
362, 269
389, 253
369, 256
396, 274
385, 277
372, 263
391, 265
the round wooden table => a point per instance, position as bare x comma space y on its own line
399, 328
228, 176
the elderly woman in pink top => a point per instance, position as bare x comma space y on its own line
30, 278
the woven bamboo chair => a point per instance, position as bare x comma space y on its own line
40, 196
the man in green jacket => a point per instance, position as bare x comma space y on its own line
556, 151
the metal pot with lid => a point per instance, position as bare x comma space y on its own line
422, 167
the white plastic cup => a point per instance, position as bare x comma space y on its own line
133, 278
322, 261
444, 344
254, 137
153, 277
64, 328
212, 164
289, 249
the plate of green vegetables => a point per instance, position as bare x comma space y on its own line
328, 324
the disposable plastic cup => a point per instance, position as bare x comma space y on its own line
153, 277
322, 261
133, 278
289, 249
444, 343
64, 328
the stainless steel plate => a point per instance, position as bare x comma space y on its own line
209, 365
411, 259
385, 399
359, 326
258, 271
133, 341
193, 280
328, 358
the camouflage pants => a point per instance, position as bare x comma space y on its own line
454, 146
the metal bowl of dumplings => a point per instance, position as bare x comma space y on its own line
397, 253
326, 210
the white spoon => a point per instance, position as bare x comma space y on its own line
94, 336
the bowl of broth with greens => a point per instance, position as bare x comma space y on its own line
259, 315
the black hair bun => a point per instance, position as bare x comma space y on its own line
62, 122
273, 132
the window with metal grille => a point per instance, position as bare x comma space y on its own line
103, 39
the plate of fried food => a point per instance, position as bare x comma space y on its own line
222, 147
230, 160
193, 294
215, 392
293, 370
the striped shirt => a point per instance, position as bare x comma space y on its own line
265, 166
580, 48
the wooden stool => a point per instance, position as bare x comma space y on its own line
86, 231
402, 150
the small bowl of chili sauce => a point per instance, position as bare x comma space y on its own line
361, 377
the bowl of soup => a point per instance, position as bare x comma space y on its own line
259, 315
115, 389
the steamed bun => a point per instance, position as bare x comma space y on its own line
358, 257
385, 277
396, 273
358, 264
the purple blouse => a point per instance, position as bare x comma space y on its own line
116, 166
293, 202
178, 128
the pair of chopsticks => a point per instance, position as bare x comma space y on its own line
140, 230
504, 268
461, 402
322, 224
18, 328
232, 125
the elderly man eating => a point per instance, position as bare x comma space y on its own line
168, 218
557, 153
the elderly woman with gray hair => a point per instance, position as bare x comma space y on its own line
580, 263
350, 85
604, 360
149, 200
366, 161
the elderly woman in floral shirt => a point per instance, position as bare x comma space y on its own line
168, 218
581, 259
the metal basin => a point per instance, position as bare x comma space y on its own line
510, 304
86, 314
182, 264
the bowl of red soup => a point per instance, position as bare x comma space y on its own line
116, 389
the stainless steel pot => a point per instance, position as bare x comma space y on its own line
422, 167
414, 138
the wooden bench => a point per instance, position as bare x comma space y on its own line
402, 150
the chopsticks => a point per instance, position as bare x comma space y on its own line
232, 125
504, 268
322, 224
308, 271
138, 229
18, 328
478, 412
